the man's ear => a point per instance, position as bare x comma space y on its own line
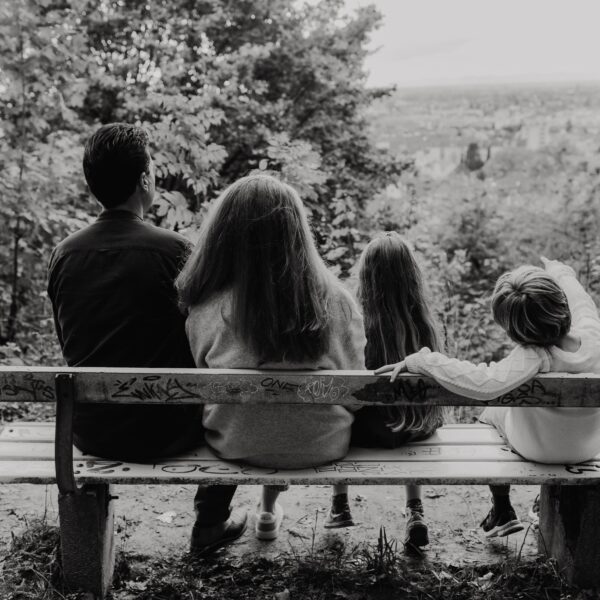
144, 181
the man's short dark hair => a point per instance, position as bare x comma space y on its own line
113, 160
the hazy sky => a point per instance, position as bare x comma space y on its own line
463, 41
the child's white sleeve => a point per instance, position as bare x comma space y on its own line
481, 381
584, 314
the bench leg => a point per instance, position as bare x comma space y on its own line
87, 540
570, 531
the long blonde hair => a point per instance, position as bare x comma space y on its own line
256, 242
397, 319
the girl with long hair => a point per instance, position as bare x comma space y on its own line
398, 322
258, 295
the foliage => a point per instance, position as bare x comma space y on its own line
223, 88
226, 88
371, 571
39, 142
526, 199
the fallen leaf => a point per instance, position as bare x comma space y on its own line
435, 493
138, 586
167, 517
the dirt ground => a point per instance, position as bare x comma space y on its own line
155, 521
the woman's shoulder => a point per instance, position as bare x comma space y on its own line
342, 308
215, 307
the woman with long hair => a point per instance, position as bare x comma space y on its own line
258, 295
398, 322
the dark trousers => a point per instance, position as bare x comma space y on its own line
213, 504
137, 433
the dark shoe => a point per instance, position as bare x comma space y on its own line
501, 523
339, 513
417, 534
206, 540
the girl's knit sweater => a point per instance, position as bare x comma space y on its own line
284, 436
541, 434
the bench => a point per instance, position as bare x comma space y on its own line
457, 454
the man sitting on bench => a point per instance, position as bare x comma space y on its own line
114, 303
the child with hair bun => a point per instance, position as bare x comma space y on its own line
555, 325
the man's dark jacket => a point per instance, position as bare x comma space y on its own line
112, 291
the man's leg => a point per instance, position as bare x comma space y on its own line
214, 526
212, 504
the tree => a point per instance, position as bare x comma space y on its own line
40, 135
224, 87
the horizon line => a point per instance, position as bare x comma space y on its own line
487, 83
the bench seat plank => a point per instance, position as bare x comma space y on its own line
12, 450
352, 471
28, 432
449, 434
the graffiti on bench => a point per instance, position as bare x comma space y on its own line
29, 388
371, 468
580, 469
104, 467
526, 395
413, 391
273, 386
154, 387
172, 389
215, 467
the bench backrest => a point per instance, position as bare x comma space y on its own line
236, 386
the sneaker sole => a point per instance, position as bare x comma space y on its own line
338, 524
266, 535
504, 530
267, 531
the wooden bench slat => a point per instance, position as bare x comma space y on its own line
417, 452
347, 471
27, 471
358, 388
449, 434
25, 432
350, 472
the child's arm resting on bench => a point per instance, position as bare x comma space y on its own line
481, 381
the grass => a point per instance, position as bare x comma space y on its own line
379, 570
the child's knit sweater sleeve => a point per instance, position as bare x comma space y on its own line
482, 381
584, 314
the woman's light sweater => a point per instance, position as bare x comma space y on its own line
541, 434
284, 436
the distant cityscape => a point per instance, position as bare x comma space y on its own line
434, 126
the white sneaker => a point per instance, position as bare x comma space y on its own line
267, 524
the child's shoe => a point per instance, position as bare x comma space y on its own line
339, 513
267, 524
501, 522
417, 534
